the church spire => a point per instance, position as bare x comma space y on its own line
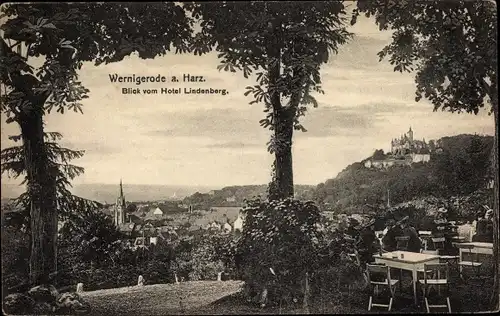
121, 197
121, 188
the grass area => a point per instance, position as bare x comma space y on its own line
225, 298
158, 299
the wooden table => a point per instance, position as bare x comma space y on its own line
479, 247
411, 261
485, 248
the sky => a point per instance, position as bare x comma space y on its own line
215, 140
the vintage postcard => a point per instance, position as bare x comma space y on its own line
249, 157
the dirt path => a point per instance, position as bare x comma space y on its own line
159, 299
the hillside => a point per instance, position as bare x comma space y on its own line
461, 167
235, 195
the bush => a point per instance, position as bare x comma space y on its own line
203, 256
15, 256
282, 236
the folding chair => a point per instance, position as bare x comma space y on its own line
451, 260
355, 257
380, 276
438, 278
427, 252
402, 243
438, 243
476, 266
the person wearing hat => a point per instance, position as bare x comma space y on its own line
367, 243
353, 228
414, 243
392, 231
440, 223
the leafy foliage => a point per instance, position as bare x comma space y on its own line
15, 255
292, 238
90, 236
305, 35
68, 35
282, 45
12, 162
65, 36
452, 47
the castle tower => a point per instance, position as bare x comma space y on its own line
410, 135
120, 207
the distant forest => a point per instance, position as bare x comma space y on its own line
236, 195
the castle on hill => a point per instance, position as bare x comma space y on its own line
407, 145
405, 150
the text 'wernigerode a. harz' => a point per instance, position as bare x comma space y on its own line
182, 84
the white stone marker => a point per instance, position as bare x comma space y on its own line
140, 281
219, 276
79, 288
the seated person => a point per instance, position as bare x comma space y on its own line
352, 229
367, 243
464, 230
482, 229
414, 243
488, 236
440, 223
389, 242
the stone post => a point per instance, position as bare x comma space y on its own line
140, 281
79, 288
219, 276
305, 303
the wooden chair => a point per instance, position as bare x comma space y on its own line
438, 278
424, 240
402, 243
451, 260
355, 258
380, 276
439, 243
471, 263
429, 272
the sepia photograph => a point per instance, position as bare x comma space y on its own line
249, 157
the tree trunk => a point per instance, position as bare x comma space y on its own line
41, 188
282, 182
495, 299
283, 154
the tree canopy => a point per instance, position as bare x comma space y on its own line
451, 46
285, 44
63, 37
